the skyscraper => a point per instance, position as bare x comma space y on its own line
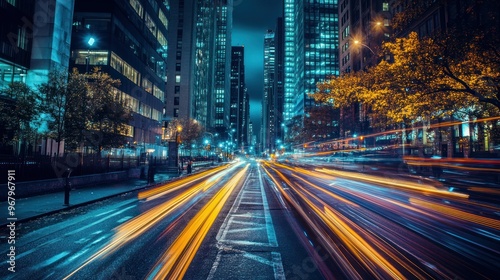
222, 54
179, 101
279, 79
238, 112
363, 26
310, 51
130, 43
268, 100
199, 63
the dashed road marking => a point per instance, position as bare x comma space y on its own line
249, 226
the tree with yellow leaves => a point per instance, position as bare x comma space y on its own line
424, 78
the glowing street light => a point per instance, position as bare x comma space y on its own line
90, 43
357, 42
178, 141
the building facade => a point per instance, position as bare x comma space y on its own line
199, 63
179, 101
310, 52
222, 67
238, 112
268, 98
279, 81
128, 40
35, 37
363, 26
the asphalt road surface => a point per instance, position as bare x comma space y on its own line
264, 220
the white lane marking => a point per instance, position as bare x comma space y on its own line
99, 221
248, 243
248, 195
251, 203
124, 219
245, 229
249, 224
279, 271
248, 215
271, 235
73, 257
51, 260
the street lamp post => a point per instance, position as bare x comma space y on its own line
178, 141
357, 42
90, 43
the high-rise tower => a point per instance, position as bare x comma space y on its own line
310, 51
238, 112
268, 100
198, 84
128, 40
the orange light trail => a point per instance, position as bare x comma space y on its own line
327, 242
140, 224
155, 192
457, 214
424, 188
347, 231
176, 260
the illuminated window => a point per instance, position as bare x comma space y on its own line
147, 85
137, 7
97, 57
385, 7
162, 40
128, 131
163, 19
150, 24
125, 69
158, 93
177, 78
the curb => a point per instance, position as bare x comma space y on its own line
73, 206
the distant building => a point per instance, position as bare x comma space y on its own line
268, 100
238, 112
274, 92
279, 81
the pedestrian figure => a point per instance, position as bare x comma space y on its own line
189, 167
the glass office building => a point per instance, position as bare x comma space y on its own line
311, 50
128, 40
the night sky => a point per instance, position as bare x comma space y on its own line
251, 20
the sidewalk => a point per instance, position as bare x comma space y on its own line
40, 205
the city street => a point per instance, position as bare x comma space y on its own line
221, 140
216, 224
264, 220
